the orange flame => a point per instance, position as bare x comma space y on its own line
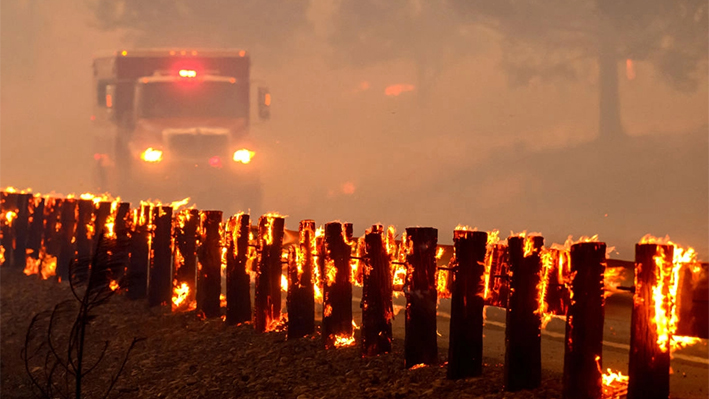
113, 285
284, 283
664, 293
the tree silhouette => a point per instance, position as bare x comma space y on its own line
547, 39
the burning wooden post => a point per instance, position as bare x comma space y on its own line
558, 294
8, 207
466, 326
523, 355
649, 364
34, 236
267, 306
21, 230
301, 293
136, 281
238, 280
420, 343
498, 282
209, 279
337, 287
584, 323
377, 291
186, 226
84, 239
160, 280
67, 221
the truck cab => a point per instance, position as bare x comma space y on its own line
171, 124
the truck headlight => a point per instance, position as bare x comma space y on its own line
243, 155
151, 155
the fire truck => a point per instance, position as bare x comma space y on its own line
170, 124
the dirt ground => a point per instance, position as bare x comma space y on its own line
184, 357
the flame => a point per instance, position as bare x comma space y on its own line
284, 283
113, 285
9, 217
664, 292
2, 255
222, 300
612, 278
615, 384
548, 261
49, 268
442, 284
31, 264
417, 366
179, 297
317, 278
493, 237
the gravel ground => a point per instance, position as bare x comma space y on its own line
184, 357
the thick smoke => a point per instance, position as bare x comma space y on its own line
409, 112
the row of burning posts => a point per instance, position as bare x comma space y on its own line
179, 257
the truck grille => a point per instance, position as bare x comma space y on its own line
197, 146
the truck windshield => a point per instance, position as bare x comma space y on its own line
193, 99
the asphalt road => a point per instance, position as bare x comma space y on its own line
690, 366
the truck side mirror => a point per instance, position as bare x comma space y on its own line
264, 103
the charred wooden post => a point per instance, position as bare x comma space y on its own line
420, 343
136, 281
466, 326
160, 280
337, 286
186, 230
209, 279
498, 283
34, 235
121, 258
51, 233
101, 216
238, 280
21, 230
649, 363
523, 355
66, 238
301, 293
584, 323
84, 239
377, 291
267, 306
8, 206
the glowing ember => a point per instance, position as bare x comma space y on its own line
543, 286
222, 300
417, 366
113, 285
317, 278
342, 341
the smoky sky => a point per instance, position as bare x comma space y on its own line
408, 112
